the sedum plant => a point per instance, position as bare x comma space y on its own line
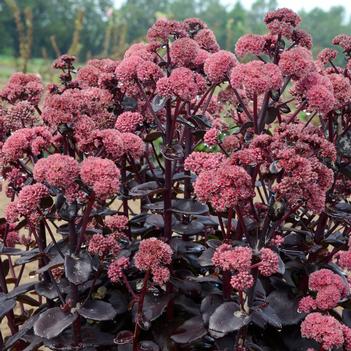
183, 198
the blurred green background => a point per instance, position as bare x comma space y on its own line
34, 32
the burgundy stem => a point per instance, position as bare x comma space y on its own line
140, 311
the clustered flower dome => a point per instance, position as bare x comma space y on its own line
238, 260
154, 256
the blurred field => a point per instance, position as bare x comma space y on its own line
9, 65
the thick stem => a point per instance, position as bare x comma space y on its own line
167, 212
227, 288
10, 315
73, 239
140, 311
187, 151
84, 224
263, 113
124, 188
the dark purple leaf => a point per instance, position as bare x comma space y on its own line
180, 246
52, 322
272, 113
148, 188
188, 206
28, 256
201, 121
91, 338
148, 345
191, 330
5, 266
10, 251
226, 319
152, 136
214, 243
19, 290
46, 289
6, 306
285, 305
97, 310
172, 152
78, 268
266, 315
46, 202
154, 220
205, 260
192, 228
208, 305
26, 326
158, 103
185, 121
187, 304
129, 103
25, 299
346, 317
119, 302
187, 286
154, 306
124, 337
343, 144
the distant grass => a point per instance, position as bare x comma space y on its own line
9, 65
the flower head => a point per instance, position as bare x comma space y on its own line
22, 87
256, 77
58, 170
224, 187
102, 175
235, 259
116, 268
326, 330
250, 44
127, 122
152, 253
183, 52
218, 65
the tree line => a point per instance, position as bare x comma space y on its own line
94, 28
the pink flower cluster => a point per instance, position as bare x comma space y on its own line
101, 175
22, 87
154, 255
282, 22
319, 92
64, 62
20, 115
183, 83
97, 73
296, 62
117, 222
219, 65
238, 260
203, 161
250, 44
325, 330
27, 203
101, 245
116, 268
57, 170
344, 41
269, 262
127, 122
297, 149
224, 187
329, 289
256, 77
26, 141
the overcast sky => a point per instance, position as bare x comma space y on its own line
293, 4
